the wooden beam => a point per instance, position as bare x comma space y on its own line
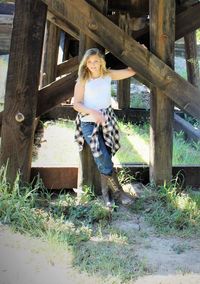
64, 25
55, 93
102, 30
66, 177
192, 59
56, 177
190, 133
184, 24
50, 54
162, 38
123, 93
22, 87
67, 66
183, 21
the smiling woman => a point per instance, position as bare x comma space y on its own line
96, 123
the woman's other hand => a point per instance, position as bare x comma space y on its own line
98, 116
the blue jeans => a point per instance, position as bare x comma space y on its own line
104, 162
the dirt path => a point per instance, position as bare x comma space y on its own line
24, 260
31, 261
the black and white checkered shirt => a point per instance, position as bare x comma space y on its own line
110, 132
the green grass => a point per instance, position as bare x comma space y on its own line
81, 225
85, 225
135, 146
171, 210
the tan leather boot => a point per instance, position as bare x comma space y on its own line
105, 192
117, 190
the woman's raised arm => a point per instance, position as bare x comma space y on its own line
122, 73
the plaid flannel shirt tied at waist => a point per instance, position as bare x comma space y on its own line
110, 132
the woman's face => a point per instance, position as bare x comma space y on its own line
93, 64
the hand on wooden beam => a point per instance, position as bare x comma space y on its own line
122, 73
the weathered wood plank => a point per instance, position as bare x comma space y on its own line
162, 38
189, 131
192, 59
102, 30
50, 54
22, 87
66, 177
67, 66
184, 24
123, 93
63, 25
55, 93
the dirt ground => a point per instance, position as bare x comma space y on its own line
32, 261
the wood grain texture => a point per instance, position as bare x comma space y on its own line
22, 87
162, 39
192, 59
126, 49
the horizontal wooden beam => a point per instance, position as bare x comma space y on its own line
184, 24
66, 177
56, 177
67, 66
126, 49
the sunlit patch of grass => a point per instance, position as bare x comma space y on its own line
171, 210
134, 143
135, 146
185, 152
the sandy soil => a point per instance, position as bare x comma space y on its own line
28, 260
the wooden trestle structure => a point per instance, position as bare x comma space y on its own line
112, 26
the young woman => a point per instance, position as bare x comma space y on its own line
96, 122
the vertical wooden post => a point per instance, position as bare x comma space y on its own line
162, 35
123, 86
192, 59
123, 93
22, 87
49, 66
88, 173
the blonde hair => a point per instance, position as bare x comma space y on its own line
83, 72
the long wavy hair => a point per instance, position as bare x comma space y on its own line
84, 73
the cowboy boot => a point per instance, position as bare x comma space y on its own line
105, 192
117, 190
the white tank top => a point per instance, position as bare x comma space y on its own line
97, 95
